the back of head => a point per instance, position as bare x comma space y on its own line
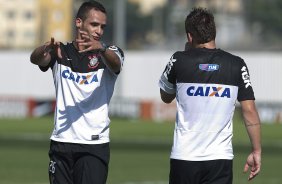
87, 6
200, 24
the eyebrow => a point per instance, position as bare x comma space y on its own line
97, 23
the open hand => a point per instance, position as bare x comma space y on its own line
253, 163
88, 42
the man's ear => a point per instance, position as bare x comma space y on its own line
78, 22
189, 38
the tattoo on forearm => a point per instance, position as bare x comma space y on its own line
256, 124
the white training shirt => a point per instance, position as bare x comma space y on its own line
207, 83
84, 86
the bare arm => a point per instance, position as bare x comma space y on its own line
112, 60
42, 55
252, 123
166, 97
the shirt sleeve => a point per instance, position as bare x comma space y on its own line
119, 52
245, 91
167, 81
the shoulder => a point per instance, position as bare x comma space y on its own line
231, 56
66, 46
233, 60
180, 53
176, 56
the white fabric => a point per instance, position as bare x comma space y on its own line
203, 129
81, 114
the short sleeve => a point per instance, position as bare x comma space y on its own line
167, 81
245, 91
119, 52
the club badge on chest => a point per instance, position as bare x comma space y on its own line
93, 61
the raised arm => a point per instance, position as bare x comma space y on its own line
252, 123
42, 55
89, 43
111, 59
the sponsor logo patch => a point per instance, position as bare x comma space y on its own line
169, 67
246, 77
208, 67
80, 79
209, 91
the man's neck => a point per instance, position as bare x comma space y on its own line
208, 45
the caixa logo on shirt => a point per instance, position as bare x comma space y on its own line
208, 91
80, 79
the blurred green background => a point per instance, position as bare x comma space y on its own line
139, 151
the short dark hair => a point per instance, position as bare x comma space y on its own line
87, 6
200, 24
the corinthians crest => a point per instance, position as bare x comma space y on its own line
93, 63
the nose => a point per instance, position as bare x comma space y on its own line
99, 30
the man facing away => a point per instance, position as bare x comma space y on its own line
84, 73
206, 83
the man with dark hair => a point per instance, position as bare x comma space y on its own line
84, 72
206, 82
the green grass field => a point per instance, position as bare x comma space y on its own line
139, 152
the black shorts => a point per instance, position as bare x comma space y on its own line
78, 163
201, 172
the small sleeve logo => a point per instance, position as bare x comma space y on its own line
246, 77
